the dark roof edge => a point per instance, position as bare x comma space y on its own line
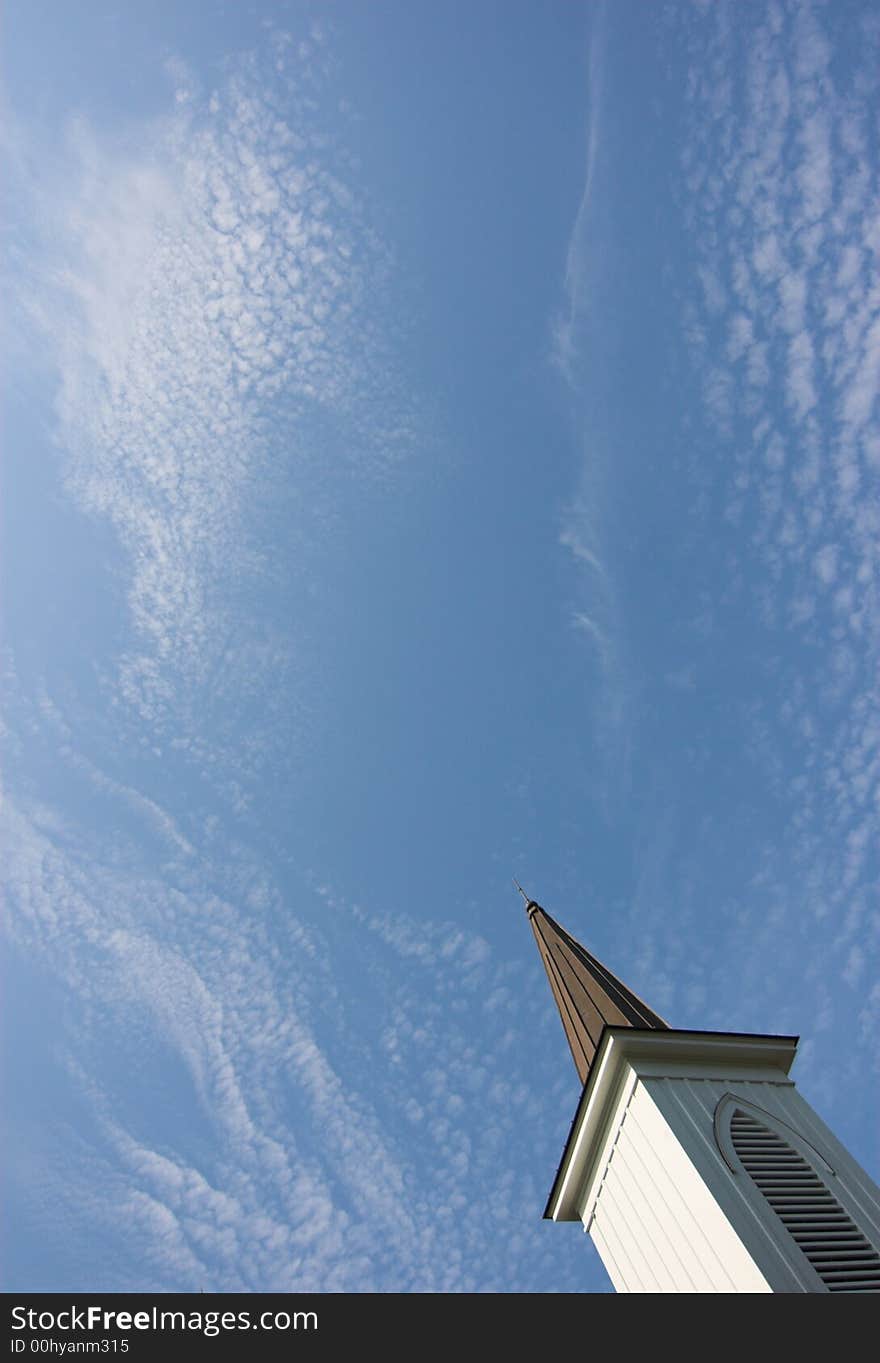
587, 1089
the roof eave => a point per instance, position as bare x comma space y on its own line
680, 1048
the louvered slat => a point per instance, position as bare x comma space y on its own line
830, 1239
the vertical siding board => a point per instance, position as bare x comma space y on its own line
680, 1264
695, 1213
665, 1263
613, 1232
696, 1228
684, 1231
763, 1243
623, 1218
637, 1213
607, 1256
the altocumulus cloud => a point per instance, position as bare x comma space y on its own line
761, 385
211, 290
384, 1149
234, 1116
797, 272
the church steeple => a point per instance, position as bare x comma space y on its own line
692, 1161
587, 995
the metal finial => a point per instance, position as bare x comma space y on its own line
522, 892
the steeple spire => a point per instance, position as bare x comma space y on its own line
691, 1160
587, 995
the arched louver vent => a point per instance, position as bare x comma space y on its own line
830, 1239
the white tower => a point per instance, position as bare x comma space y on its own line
692, 1160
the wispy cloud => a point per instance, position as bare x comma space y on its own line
755, 714
578, 278
797, 197
287, 1159
253, 1055
210, 288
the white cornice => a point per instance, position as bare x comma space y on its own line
627, 1051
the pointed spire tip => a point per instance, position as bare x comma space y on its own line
526, 899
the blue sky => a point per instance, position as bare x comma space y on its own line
440, 445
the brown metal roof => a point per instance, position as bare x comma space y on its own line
587, 995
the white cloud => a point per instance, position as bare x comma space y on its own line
195, 270
305, 1180
825, 563
782, 316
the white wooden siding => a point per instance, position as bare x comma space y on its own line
668, 1215
654, 1221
